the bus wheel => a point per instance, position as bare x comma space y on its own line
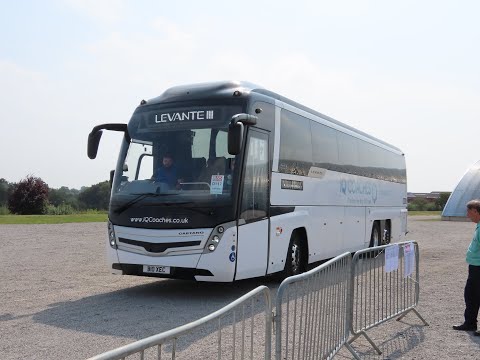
375, 238
386, 233
296, 256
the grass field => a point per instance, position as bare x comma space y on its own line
53, 219
432, 213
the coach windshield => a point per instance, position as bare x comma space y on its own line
176, 156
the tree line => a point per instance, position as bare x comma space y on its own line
32, 196
420, 204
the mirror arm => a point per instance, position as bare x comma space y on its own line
112, 127
245, 119
96, 134
235, 131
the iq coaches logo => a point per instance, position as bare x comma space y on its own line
359, 191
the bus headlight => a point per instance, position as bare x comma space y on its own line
216, 237
111, 236
214, 242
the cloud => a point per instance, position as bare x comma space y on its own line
104, 77
13, 78
106, 12
171, 32
26, 99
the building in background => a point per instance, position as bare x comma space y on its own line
430, 197
432, 201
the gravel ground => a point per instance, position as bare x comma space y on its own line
59, 301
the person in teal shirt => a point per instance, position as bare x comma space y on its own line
472, 287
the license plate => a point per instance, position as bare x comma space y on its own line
156, 269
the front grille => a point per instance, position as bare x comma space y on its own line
158, 248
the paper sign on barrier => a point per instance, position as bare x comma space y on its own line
409, 255
391, 258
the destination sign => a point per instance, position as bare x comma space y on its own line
184, 115
156, 117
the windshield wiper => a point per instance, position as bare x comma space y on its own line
137, 199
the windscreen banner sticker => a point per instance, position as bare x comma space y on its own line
216, 184
162, 220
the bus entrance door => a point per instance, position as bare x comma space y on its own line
253, 230
252, 250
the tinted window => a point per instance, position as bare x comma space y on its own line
295, 144
325, 147
347, 152
371, 159
304, 142
378, 163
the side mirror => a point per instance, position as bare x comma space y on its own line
93, 141
96, 134
235, 131
235, 137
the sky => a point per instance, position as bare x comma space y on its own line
406, 72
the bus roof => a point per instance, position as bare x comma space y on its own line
227, 89
219, 89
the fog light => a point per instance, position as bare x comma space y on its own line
211, 247
111, 235
221, 229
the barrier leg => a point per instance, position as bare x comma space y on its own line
352, 351
417, 313
377, 349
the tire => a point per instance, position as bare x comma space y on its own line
296, 256
375, 237
387, 233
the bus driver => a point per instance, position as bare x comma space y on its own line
167, 172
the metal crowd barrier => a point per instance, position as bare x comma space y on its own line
385, 284
315, 312
311, 320
237, 334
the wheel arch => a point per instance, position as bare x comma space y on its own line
297, 235
302, 233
